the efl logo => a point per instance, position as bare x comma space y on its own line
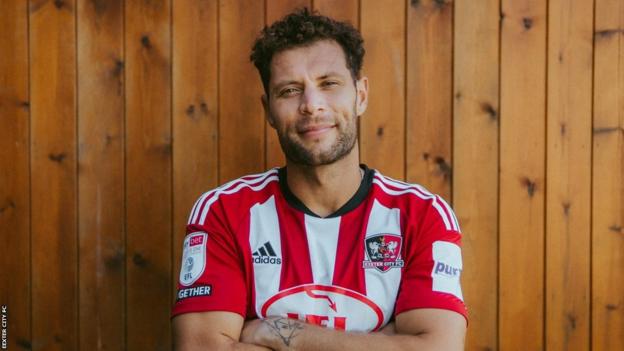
193, 258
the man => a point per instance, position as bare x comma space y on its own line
325, 253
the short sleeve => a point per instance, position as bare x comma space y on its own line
431, 278
212, 274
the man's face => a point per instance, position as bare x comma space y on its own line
313, 103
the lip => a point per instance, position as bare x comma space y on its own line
313, 131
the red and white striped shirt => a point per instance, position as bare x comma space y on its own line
254, 249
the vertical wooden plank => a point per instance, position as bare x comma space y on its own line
53, 162
148, 174
608, 177
568, 174
101, 175
341, 10
15, 285
429, 94
195, 111
475, 162
522, 153
382, 130
275, 10
241, 150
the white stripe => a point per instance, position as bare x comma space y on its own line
426, 194
383, 287
435, 204
450, 210
263, 227
243, 184
322, 234
254, 177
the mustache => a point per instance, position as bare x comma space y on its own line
305, 124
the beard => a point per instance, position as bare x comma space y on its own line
297, 153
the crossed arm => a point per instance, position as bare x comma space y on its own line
420, 329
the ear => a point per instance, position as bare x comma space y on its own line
361, 95
267, 112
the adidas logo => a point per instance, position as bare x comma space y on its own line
266, 255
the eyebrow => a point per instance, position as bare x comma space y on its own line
329, 74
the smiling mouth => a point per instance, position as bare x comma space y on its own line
315, 131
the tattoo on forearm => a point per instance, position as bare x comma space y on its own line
285, 328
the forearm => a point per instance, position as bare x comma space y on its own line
297, 335
240, 346
221, 345
210, 331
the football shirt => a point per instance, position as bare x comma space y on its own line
253, 248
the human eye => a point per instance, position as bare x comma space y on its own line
329, 83
290, 91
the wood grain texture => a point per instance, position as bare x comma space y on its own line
382, 127
241, 116
148, 174
429, 92
522, 183
195, 111
341, 10
53, 182
101, 175
15, 280
475, 162
115, 115
276, 10
608, 178
568, 196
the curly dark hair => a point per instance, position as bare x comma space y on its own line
301, 28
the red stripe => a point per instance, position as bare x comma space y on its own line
428, 196
348, 270
296, 268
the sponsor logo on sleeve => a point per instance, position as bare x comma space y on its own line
193, 258
201, 290
383, 252
447, 268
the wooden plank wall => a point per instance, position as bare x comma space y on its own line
115, 115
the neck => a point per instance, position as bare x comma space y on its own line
324, 189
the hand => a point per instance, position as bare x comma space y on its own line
252, 332
277, 333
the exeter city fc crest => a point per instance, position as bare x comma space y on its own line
383, 252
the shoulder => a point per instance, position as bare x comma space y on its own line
234, 194
415, 199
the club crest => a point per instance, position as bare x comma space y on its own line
383, 252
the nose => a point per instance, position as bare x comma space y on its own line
312, 102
